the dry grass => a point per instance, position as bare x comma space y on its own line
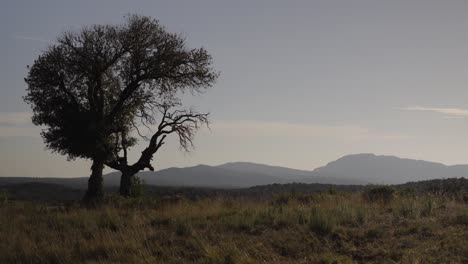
318, 228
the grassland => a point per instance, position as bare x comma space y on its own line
326, 227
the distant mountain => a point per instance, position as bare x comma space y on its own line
375, 169
202, 176
279, 172
232, 175
354, 169
288, 175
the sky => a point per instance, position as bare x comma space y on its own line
302, 82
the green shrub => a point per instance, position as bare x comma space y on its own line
382, 194
3, 197
465, 197
427, 207
462, 218
362, 216
321, 222
183, 229
375, 233
302, 218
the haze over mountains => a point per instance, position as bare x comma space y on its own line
375, 169
349, 170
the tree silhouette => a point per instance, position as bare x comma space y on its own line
172, 120
89, 88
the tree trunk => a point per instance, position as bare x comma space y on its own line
126, 183
95, 193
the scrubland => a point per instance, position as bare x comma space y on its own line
323, 227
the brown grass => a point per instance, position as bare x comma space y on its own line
318, 228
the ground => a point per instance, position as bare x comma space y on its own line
323, 227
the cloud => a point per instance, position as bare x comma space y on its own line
453, 112
15, 118
33, 132
31, 38
17, 124
285, 129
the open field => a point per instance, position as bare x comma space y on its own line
323, 227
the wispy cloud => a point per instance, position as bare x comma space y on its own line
285, 129
17, 124
15, 118
453, 112
31, 38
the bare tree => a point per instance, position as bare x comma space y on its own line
173, 120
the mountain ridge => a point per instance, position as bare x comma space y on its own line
354, 169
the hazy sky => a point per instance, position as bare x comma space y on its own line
302, 82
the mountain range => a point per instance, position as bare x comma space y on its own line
357, 169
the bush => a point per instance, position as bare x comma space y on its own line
183, 229
320, 222
428, 207
375, 233
3, 197
465, 197
382, 194
462, 218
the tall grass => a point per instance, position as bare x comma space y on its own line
290, 228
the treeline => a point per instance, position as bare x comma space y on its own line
453, 187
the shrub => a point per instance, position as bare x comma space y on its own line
462, 218
465, 197
383, 194
362, 216
375, 233
428, 207
321, 222
302, 218
3, 197
183, 229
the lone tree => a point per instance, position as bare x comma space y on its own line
89, 89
